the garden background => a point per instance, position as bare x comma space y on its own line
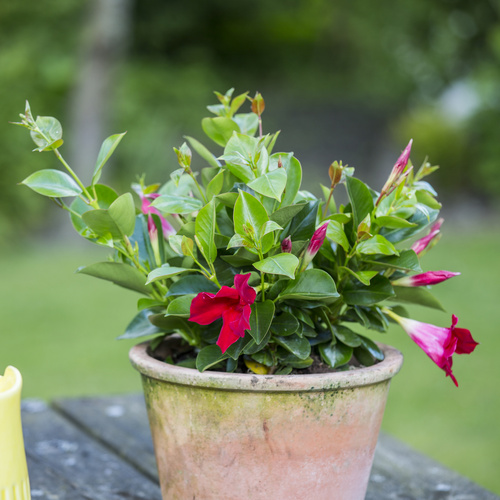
345, 80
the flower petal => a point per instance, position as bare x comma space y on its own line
246, 293
465, 343
227, 335
207, 307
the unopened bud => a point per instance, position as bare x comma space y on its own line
335, 172
286, 245
258, 104
184, 156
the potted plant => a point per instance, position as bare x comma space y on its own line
256, 380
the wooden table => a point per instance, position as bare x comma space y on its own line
100, 449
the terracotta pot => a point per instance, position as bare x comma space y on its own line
226, 436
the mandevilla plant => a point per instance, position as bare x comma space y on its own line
251, 272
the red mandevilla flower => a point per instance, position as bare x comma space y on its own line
438, 343
147, 209
314, 245
428, 278
420, 245
230, 304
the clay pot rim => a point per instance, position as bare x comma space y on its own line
153, 368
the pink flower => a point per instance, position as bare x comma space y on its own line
428, 278
420, 245
397, 171
147, 209
438, 343
230, 304
286, 245
315, 244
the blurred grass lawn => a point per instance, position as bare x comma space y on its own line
59, 329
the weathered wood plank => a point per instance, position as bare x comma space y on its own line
120, 422
401, 473
76, 462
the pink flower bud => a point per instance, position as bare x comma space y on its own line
315, 244
428, 278
419, 246
286, 245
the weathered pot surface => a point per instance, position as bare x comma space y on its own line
226, 436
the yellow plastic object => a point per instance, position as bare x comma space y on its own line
14, 481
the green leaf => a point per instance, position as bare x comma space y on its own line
417, 295
50, 135
361, 199
426, 198
52, 183
285, 324
335, 232
357, 294
214, 187
248, 122
227, 199
293, 176
120, 274
249, 216
122, 211
376, 245
312, 284
300, 347
165, 271
304, 223
171, 204
269, 227
271, 184
407, 260
192, 284
219, 129
107, 149
284, 215
335, 354
284, 264
362, 276
203, 152
209, 356
205, 231
105, 197
347, 336
393, 222
140, 326
368, 351
180, 306
240, 156
260, 319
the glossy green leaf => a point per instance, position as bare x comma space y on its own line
354, 293
171, 204
180, 306
285, 324
203, 152
304, 223
120, 274
284, 215
140, 326
347, 336
335, 354
376, 245
240, 155
214, 187
247, 122
209, 356
293, 176
192, 284
271, 184
335, 232
107, 149
312, 284
300, 347
284, 264
393, 222
52, 183
417, 295
249, 216
122, 211
260, 319
269, 227
205, 231
362, 276
219, 129
164, 272
407, 260
50, 135
360, 198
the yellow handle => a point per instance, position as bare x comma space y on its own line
14, 482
